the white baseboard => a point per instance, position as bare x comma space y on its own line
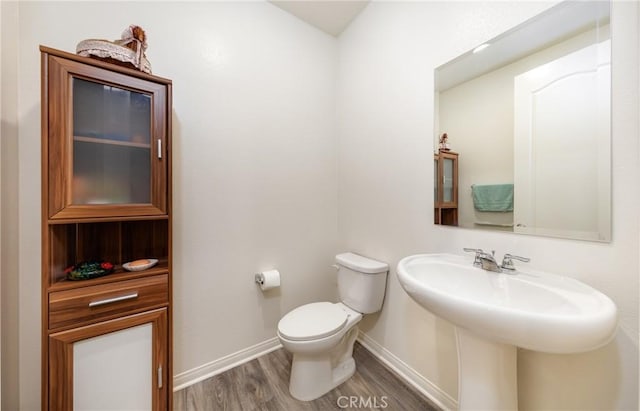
408, 374
223, 364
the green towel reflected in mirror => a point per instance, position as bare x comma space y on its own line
492, 197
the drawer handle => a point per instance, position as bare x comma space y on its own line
113, 300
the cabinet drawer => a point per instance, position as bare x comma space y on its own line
100, 302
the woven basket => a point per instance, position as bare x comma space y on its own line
127, 52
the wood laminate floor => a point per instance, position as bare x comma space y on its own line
263, 384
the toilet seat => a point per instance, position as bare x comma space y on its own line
312, 321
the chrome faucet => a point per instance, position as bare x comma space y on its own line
488, 261
484, 260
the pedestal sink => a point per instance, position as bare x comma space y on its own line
494, 313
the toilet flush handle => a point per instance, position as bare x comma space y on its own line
336, 266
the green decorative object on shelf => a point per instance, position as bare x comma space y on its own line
87, 270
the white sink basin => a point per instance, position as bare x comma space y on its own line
496, 312
529, 309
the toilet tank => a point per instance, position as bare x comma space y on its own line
361, 282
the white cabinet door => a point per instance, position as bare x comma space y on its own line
115, 365
111, 371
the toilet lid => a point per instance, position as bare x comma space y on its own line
312, 321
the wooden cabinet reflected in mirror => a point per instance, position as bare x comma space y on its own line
445, 185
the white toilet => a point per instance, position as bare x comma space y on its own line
321, 335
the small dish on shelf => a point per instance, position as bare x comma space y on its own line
140, 265
87, 270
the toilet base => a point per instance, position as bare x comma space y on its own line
344, 371
313, 375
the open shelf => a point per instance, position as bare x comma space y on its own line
119, 274
117, 242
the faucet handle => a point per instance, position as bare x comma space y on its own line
478, 252
507, 261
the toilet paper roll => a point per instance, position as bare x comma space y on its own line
268, 279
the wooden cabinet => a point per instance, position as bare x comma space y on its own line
106, 196
445, 188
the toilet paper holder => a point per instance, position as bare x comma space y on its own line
268, 280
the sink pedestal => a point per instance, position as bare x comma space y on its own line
487, 373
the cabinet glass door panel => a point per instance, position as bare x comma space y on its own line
447, 180
436, 200
111, 144
106, 143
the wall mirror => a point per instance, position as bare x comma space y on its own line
528, 132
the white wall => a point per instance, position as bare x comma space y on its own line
9, 207
385, 129
254, 171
